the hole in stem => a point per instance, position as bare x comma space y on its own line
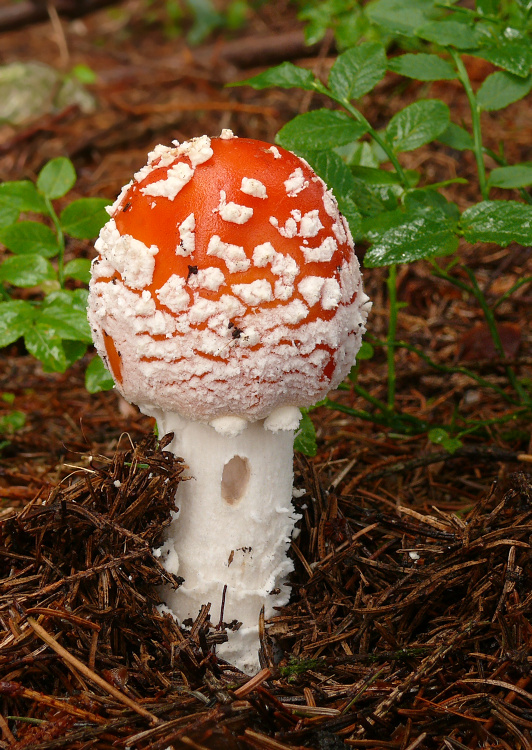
235, 478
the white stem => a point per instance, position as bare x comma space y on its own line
233, 528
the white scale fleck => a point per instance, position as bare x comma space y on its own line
227, 135
299, 225
207, 278
233, 212
331, 294
255, 293
188, 239
275, 151
321, 254
173, 294
283, 266
310, 289
198, 150
133, 260
295, 183
251, 186
234, 255
111, 209
176, 178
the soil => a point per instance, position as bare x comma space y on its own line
410, 623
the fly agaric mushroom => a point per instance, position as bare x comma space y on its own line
225, 296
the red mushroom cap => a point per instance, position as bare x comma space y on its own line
226, 282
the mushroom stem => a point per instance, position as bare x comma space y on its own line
233, 527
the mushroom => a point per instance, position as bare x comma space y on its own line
226, 295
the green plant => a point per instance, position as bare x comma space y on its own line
401, 216
40, 300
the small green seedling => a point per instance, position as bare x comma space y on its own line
51, 315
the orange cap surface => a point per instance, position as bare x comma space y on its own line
226, 282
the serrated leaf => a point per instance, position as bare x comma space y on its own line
27, 270
421, 238
79, 269
337, 175
30, 238
423, 67
374, 176
56, 178
417, 124
501, 89
319, 130
456, 137
97, 377
285, 76
73, 350
500, 222
357, 71
46, 346
517, 176
513, 55
427, 200
23, 195
62, 312
459, 34
16, 317
305, 440
84, 218
401, 16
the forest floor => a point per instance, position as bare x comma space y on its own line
410, 623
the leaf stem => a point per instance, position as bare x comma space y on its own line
376, 137
60, 242
391, 283
475, 121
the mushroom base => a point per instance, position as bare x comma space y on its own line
232, 530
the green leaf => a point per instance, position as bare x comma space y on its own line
62, 313
357, 71
206, 19
319, 130
366, 351
30, 238
517, 176
500, 222
27, 270
440, 436
16, 316
305, 440
337, 175
23, 195
79, 269
401, 16
501, 89
459, 34
373, 176
513, 55
84, 218
285, 76
56, 178
429, 201
97, 377
423, 67
421, 238
417, 124
46, 346
73, 350
84, 74
8, 212
456, 137
11, 422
